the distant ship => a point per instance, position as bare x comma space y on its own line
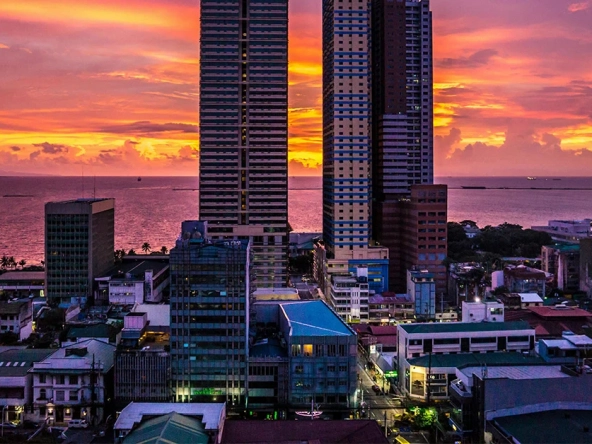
139, 179
468, 187
531, 178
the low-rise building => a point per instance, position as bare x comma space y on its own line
74, 382
417, 340
567, 230
523, 279
348, 295
465, 282
388, 308
488, 311
211, 415
22, 284
570, 349
551, 322
562, 260
16, 381
15, 316
138, 279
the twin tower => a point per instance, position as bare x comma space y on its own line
377, 133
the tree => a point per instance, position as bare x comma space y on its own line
13, 263
22, 263
9, 338
146, 247
132, 252
4, 262
164, 250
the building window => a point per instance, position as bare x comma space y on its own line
73, 395
42, 394
296, 350
41, 411
73, 379
60, 379
60, 395
307, 349
42, 378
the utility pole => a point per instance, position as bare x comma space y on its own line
385, 426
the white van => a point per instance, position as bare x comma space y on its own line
78, 424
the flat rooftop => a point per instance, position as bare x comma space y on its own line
464, 327
17, 362
518, 372
22, 276
550, 427
463, 360
136, 268
314, 318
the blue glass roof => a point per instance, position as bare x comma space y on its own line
314, 318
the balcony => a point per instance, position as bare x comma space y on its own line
458, 388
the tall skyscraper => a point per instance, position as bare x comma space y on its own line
79, 245
243, 170
402, 142
210, 288
347, 242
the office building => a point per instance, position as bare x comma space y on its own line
347, 242
210, 288
79, 245
421, 288
243, 170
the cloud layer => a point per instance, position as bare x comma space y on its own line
112, 87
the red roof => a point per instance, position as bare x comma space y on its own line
300, 432
384, 330
547, 327
552, 312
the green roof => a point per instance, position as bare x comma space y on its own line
314, 318
464, 327
18, 361
552, 427
471, 359
92, 331
167, 429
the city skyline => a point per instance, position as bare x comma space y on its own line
113, 90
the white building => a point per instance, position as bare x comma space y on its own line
16, 381
72, 383
430, 340
567, 230
134, 282
348, 296
488, 311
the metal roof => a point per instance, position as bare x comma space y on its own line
23, 276
463, 360
518, 372
530, 297
212, 413
314, 318
17, 362
169, 428
464, 327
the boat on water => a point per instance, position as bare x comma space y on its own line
139, 179
531, 178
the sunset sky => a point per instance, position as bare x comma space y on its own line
110, 87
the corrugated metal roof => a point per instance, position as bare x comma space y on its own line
166, 429
314, 318
463, 327
518, 372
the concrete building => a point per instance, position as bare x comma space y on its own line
567, 230
243, 119
79, 245
420, 340
486, 311
465, 282
136, 280
347, 241
74, 382
562, 260
142, 363
570, 349
523, 279
551, 322
15, 316
484, 395
314, 358
388, 308
348, 295
16, 394
21, 284
421, 288
211, 415
210, 290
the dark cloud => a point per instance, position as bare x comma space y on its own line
34, 155
476, 59
15, 148
51, 148
147, 128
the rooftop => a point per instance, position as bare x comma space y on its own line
314, 318
530, 297
269, 347
91, 350
548, 326
518, 372
132, 414
464, 327
22, 276
92, 331
550, 427
11, 308
136, 268
562, 312
302, 432
171, 428
463, 360
17, 362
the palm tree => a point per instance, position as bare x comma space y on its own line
132, 252
164, 250
13, 263
4, 262
146, 247
22, 263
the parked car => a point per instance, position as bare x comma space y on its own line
376, 389
78, 424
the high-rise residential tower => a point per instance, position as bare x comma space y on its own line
347, 242
79, 245
243, 170
409, 213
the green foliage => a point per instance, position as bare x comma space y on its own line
51, 320
9, 338
302, 264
